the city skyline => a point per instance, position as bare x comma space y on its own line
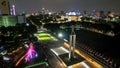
29, 6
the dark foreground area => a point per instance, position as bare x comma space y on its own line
106, 45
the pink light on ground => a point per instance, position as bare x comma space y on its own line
31, 53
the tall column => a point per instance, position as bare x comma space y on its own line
72, 42
73, 45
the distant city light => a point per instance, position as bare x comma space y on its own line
71, 13
49, 13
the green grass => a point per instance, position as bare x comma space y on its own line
44, 37
42, 34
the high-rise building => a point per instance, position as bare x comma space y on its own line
13, 12
4, 7
8, 21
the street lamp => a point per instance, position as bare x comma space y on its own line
27, 24
60, 35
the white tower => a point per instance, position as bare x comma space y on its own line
72, 43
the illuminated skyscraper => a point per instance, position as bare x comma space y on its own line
4, 7
13, 11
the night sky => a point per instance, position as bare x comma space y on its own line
66, 5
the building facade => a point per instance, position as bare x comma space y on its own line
4, 7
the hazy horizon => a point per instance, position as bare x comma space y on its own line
65, 5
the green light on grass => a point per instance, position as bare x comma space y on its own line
42, 34
37, 64
46, 38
